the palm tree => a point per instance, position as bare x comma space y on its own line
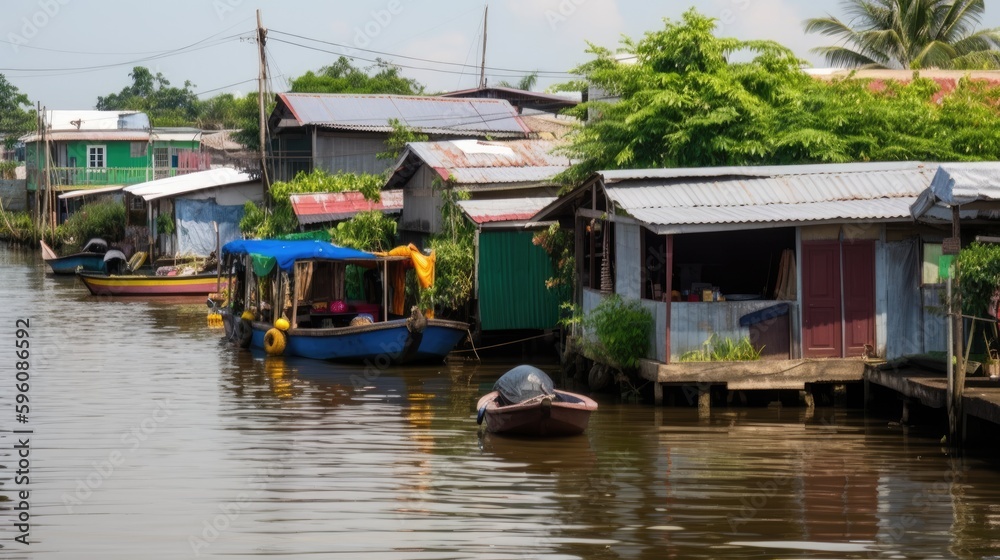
525, 84
910, 34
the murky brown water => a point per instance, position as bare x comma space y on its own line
153, 440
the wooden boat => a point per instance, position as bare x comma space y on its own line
150, 285
323, 325
91, 258
525, 402
128, 282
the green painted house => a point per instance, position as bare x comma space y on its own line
105, 149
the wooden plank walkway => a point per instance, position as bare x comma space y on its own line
751, 376
981, 399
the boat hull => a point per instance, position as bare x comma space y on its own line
191, 285
566, 416
378, 344
91, 262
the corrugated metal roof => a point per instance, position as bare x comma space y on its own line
60, 119
315, 208
675, 200
95, 135
427, 114
475, 162
86, 192
189, 182
504, 209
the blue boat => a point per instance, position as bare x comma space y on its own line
266, 276
90, 259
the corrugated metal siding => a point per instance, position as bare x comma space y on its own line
903, 309
935, 327
658, 337
692, 323
628, 261
512, 275
421, 206
348, 154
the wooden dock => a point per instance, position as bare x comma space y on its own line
798, 374
981, 399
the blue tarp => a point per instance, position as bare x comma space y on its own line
195, 235
286, 252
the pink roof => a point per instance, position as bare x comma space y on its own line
314, 208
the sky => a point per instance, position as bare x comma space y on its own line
66, 53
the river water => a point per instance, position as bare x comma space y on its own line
152, 439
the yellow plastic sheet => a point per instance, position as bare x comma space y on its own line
422, 264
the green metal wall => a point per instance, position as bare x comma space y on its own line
512, 275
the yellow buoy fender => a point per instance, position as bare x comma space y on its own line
281, 324
274, 342
247, 315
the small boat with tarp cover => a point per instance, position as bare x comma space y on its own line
313, 299
524, 401
90, 258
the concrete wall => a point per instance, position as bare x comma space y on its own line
13, 194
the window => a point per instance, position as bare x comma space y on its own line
95, 157
932, 255
137, 149
161, 157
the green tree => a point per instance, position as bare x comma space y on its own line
153, 95
682, 103
16, 116
524, 84
910, 34
344, 77
399, 137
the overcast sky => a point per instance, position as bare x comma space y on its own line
65, 53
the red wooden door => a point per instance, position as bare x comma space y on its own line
821, 304
859, 296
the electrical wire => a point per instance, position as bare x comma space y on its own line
559, 73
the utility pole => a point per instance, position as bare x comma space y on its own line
38, 215
482, 67
261, 86
47, 179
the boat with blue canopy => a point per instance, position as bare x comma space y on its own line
314, 299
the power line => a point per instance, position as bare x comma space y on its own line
193, 47
419, 59
440, 70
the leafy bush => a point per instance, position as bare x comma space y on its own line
979, 276
723, 350
8, 169
454, 263
455, 257
622, 328
104, 218
18, 227
280, 218
366, 231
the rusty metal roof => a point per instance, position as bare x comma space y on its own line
504, 209
713, 199
440, 115
473, 163
315, 208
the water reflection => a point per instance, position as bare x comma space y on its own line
231, 453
